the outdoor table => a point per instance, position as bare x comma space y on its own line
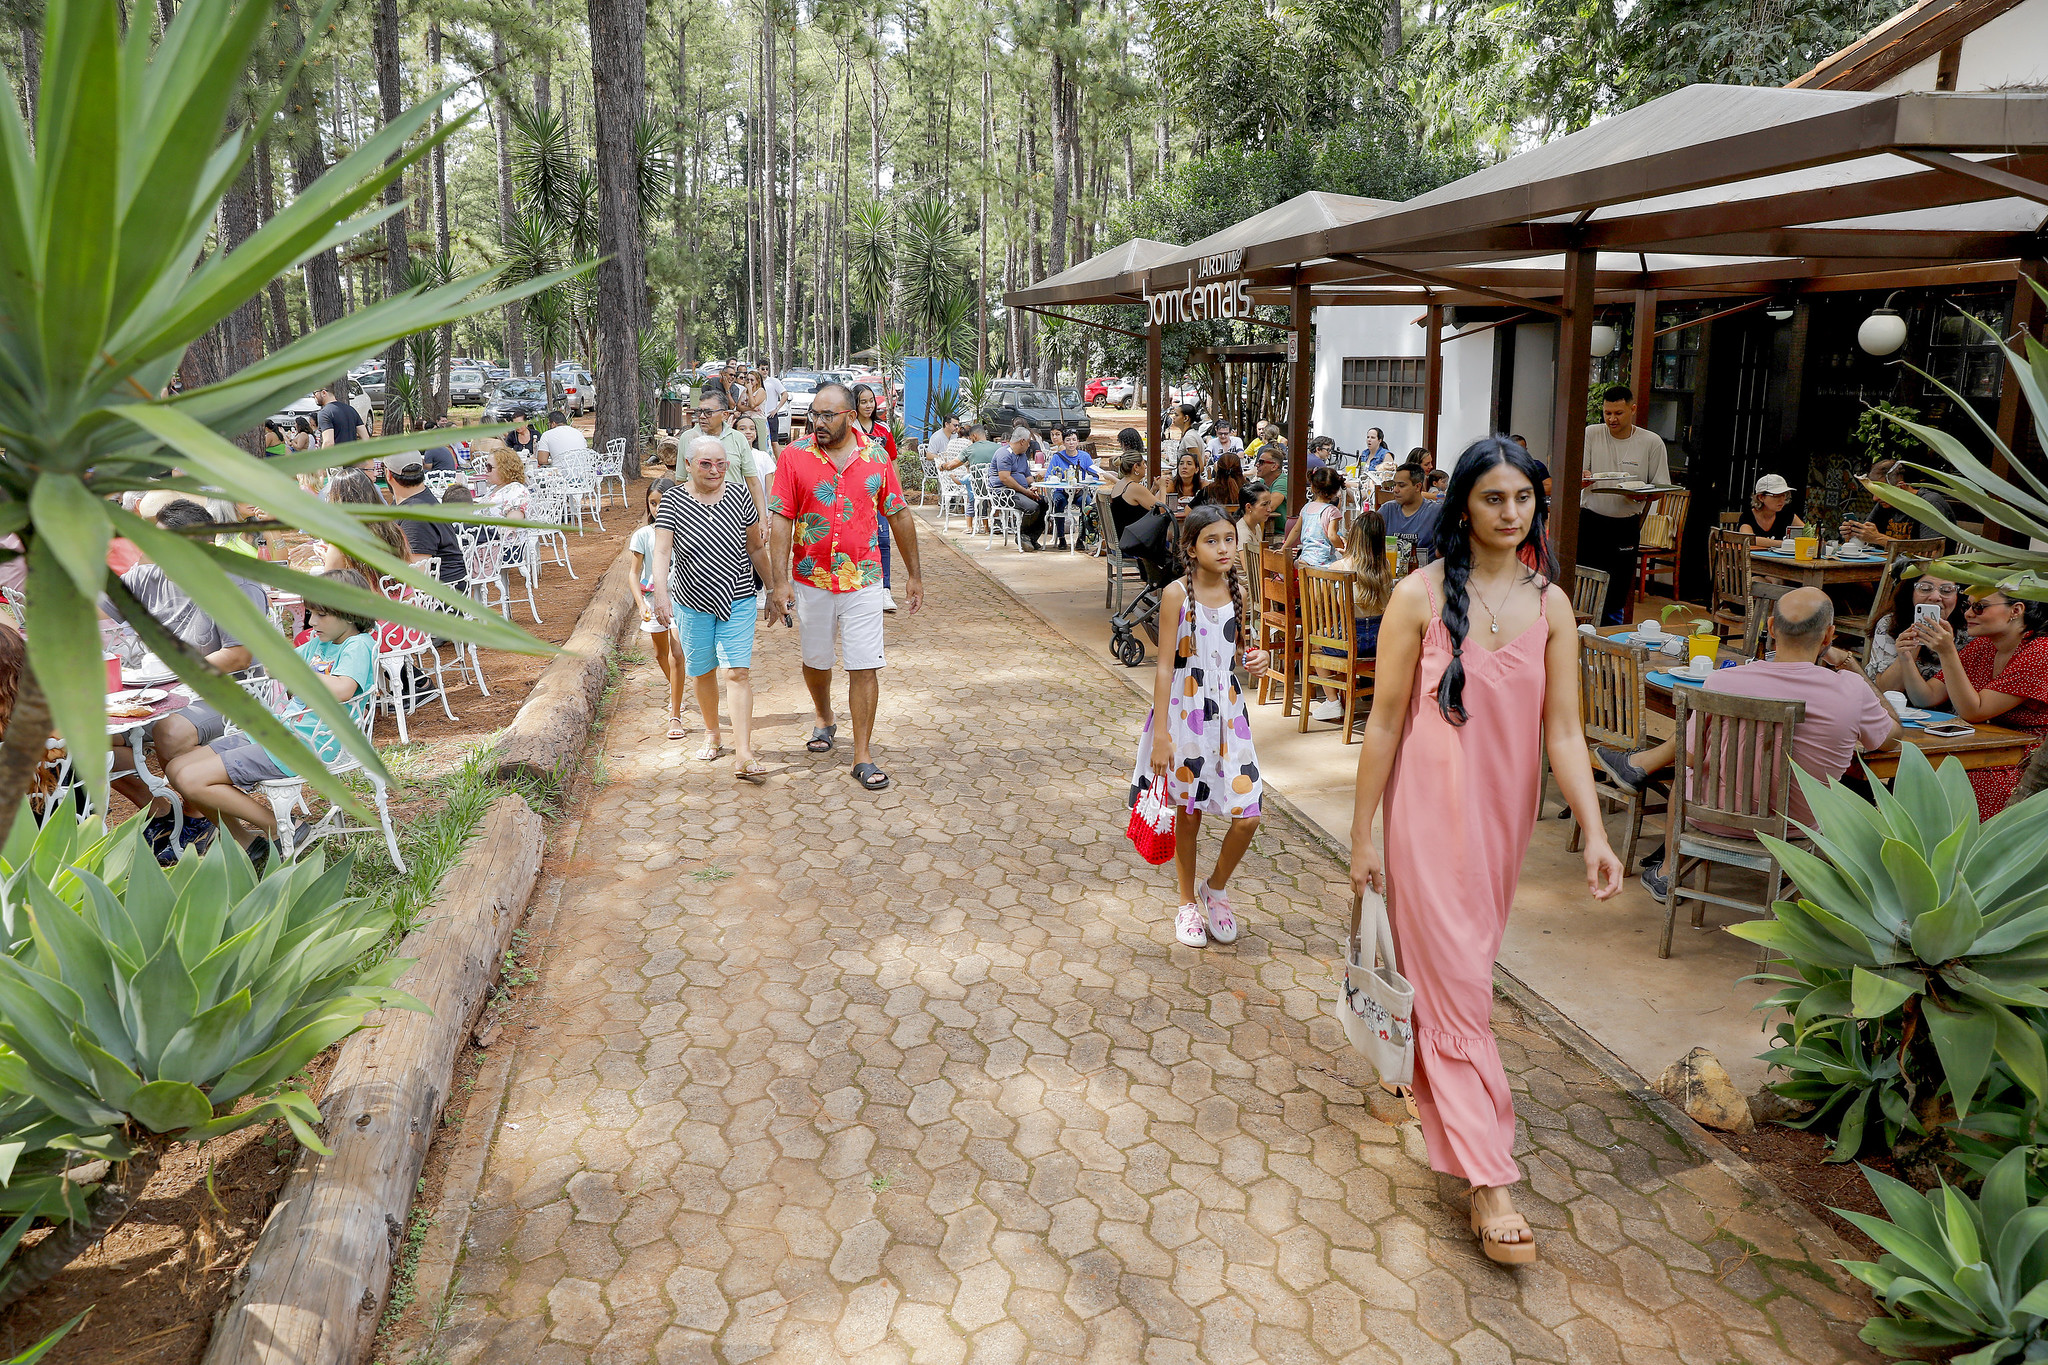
175, 701
1780, 566
1992, 746
1073, 490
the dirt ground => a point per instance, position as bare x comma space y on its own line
157, 1281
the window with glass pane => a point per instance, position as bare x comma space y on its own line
1675, 361
1383, 383
1961, 353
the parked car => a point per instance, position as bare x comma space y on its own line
579, 390
802, 388
516, 399
709, 368
309, 408
1096, 389
1043, 408
466, 387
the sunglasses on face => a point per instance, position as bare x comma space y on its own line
1985, 605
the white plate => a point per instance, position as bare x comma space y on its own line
139, 696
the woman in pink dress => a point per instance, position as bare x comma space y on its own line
1478, 662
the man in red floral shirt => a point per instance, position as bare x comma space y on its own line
824, 514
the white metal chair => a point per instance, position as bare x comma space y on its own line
575, 478
439, 481
484, 558
519, 555
287, 795
399, 646
954, 492
552, 543
999, 517
611, 468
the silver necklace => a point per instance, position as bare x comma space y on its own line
1491, 613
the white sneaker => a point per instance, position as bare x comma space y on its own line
1329, 708
1222, 923
1191, 925
888, 602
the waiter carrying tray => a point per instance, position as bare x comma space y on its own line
1610, 524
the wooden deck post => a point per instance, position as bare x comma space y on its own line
1644, 348
1155, 404
1433, 379
2027, 320
1568, 408
1301, 384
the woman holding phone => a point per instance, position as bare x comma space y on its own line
1926, 598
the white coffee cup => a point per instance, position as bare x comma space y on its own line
1700, 667
1897, 701
1649, 630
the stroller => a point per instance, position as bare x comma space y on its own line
1147, 540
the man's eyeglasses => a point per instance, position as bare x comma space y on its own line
816, 413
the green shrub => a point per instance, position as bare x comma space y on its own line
1957, 1271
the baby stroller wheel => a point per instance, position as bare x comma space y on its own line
1130, 651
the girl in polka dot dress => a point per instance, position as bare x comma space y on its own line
1206, 760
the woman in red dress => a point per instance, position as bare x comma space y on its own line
2000, 674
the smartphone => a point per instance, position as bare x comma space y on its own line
1926, 612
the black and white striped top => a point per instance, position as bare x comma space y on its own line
709, 567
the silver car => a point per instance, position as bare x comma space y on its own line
466, 387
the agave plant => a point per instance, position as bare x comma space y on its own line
1958, 1271
139, 1007
2005, 1119
1911, 906
1848, 1070
109, 270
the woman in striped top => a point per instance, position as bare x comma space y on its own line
711, 548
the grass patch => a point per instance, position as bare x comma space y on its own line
711, 875
404, 1275
431, 842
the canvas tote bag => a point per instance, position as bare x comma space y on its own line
1378, 1003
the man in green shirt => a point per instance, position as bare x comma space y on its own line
714, 411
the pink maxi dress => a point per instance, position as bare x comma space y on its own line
1460, 806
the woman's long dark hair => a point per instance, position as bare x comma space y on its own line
1193, 525
1226, 484
858, 390
1454, 543
1176, 488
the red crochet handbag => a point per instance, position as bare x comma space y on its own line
1151, 828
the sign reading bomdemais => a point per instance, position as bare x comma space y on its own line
1214, 298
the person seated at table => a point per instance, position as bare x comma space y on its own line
507, 496
176, 612
1225, 487
1013, 473
1069, 464
439, 457
219, 779
1185, 482
1371, 586
1436, 484
1768, 515
1542, 469
1322, 450
1377, 460
1887, 660
521, 440
1408, 514
1845, 715
1888, 523
947, 450
2000, 675
431, 539
1263, 507
1270, 469
561, 438
1223, 441
354, 486
302, 437
1317, 538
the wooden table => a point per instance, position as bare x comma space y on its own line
1992, 746
1815, 573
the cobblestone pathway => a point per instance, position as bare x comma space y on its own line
836, 1077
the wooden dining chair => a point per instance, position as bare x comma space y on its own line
1279, 627
1611, 707
1734, 772
1663, 540
1327, 622
1763, 601
1589, 590
1728, 567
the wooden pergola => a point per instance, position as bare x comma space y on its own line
1709, 192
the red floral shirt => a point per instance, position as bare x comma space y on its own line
837, 513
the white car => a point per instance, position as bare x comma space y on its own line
1121, 393
801, 391
579, 390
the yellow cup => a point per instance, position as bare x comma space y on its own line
1805, 547
1698, 646
1393, 561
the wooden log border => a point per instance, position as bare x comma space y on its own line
547, 736
315, 1282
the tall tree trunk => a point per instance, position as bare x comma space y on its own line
768, 211
1038, 270
164, 14
619, 84
243, 328
391, 96
501, 123
789, 246
686, 351
987, 147
1062, 161
324, 301
875, 113
266, 204
32, 68
1390, 45
845, 210
440, 399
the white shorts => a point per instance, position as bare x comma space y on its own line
851, 620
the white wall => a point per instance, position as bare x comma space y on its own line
2009, 50
1391, 331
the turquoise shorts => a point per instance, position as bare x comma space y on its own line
710, 643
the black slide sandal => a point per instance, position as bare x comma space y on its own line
821, 738
870, 777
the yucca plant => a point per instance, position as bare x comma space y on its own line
2018, 569
977, 397
1957, 1271
139, 1007
109, 270
1910, 906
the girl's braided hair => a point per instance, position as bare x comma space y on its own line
1197, 520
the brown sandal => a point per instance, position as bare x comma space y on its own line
1500, 1252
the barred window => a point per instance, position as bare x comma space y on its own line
1383, 383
